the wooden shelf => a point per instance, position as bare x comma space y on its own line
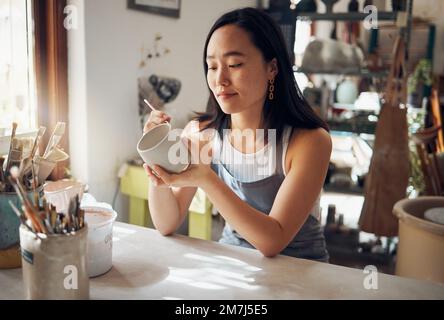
354, 125
346, 16
362, 73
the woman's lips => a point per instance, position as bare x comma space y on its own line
226, 96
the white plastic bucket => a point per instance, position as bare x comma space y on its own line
100, 239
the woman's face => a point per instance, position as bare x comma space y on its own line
237, 74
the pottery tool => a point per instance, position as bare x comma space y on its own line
25, 166
149, 105
55, 138
14, 128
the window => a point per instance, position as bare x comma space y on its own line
17, 80
302, 39
303, 34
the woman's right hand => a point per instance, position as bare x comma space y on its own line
156, 117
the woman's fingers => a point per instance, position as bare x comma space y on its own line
163, 175
153, 177
149, 172
156, 118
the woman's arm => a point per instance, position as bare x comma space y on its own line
169, 205
309, 154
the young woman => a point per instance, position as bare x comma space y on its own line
252, 87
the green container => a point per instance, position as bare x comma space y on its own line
9, 222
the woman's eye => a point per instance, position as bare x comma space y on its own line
211, 68
235, 65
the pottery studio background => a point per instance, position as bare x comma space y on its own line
117, 55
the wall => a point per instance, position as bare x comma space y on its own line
104, 56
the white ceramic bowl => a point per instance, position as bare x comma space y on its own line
158, 146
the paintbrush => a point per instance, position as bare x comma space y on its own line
2, 175
81, 218
37, 140
54, 139
27, 206
52, 216
15, 154
25, 167
23, 220
34, 185
47, 220
14, 128
70, 215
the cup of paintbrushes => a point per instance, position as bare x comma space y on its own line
54, 249
54, 266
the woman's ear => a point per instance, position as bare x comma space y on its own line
272, 69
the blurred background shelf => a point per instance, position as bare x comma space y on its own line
352, 125
346, 16
362, 73
352, 189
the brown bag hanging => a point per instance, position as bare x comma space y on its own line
388, 175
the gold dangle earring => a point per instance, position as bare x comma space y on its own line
271, 90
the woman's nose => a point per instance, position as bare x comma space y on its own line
222, 78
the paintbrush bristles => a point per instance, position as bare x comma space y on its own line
45, 220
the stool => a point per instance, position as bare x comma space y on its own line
135, 184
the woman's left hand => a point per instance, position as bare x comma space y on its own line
195, 176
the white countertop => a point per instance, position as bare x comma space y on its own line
147, 265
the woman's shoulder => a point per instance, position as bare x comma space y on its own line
309, 142
311, 135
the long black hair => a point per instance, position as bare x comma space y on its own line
289, 106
